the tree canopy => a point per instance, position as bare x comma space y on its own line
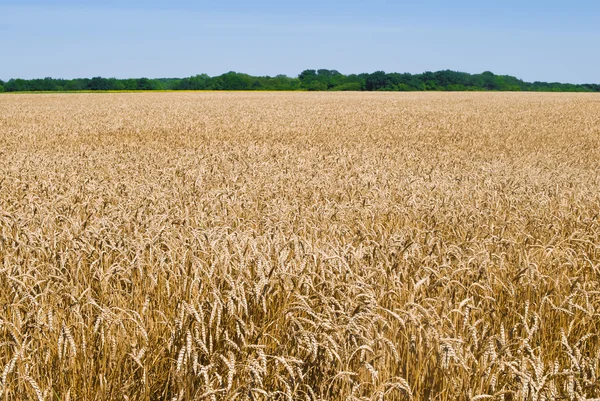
311, 80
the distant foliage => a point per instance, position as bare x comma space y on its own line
311, 80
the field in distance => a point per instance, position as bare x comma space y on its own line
300, 246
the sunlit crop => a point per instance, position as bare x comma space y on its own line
300, 246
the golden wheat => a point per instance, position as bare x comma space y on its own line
300, 246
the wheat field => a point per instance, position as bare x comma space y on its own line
300, 246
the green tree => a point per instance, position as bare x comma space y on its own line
490, 82
201, 81
429, 81
474, 81
236, 81
316, 86
130, 84
281, 82
75, 85
98, 84
145, 84
16, 85
116, 84
357, 79
306, 78
348, 86
377, 81
315, 80
330, 78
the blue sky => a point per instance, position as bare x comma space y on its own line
535, 40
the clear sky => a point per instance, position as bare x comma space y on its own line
546, 40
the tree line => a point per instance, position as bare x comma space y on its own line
311, 80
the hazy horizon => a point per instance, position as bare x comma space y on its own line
540, 41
